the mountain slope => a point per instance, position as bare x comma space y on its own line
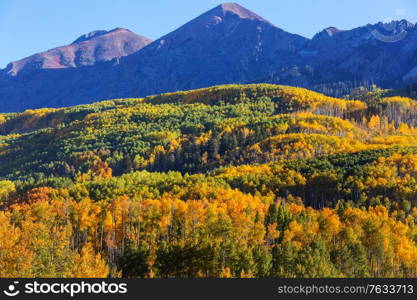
87, 50
229, 122
66, 75
379, 53
224, 181
224, 45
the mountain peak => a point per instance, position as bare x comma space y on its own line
238, 10
97, 33
88, 49
235, 9
326, 34
332, 30
396, 25
89, 36
217, 23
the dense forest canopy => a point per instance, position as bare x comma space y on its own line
228, 181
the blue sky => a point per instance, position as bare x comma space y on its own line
30, 26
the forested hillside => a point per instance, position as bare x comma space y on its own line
229, 181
